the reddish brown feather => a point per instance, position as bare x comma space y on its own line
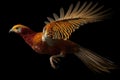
34, 40
27, 35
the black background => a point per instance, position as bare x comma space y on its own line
19, 61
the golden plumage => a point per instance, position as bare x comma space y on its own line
53, 39
63, 26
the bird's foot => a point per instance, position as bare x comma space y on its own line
55, 60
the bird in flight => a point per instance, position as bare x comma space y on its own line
54, 38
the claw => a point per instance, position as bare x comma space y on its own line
54, 61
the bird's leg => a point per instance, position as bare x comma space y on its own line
55, 59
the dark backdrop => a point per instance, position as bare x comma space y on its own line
19, 61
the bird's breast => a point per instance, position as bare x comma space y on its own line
44, 48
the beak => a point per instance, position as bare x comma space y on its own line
10, 30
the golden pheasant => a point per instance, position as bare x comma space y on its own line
54, 39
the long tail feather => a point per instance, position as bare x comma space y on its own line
94, 61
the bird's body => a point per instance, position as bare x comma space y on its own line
34, 39
54, 39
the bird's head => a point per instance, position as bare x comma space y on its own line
19, 28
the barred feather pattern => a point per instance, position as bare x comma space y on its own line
62, 27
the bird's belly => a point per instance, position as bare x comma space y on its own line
46, 50
60, 47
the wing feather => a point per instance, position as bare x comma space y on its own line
75, 9
69, 11
50, 19
61, 13
55, 16
62, 27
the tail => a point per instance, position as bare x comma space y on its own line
94, 61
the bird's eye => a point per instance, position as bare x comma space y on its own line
17, 27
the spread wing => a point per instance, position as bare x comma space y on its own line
62, 27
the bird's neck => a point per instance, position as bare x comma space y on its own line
28, 36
